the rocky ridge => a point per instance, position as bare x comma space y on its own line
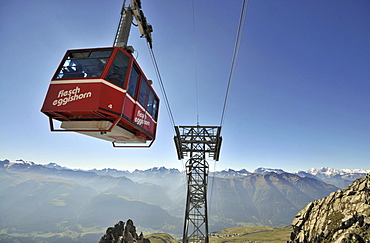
123, 234
343, 216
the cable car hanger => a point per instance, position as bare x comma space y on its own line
103, 93
123, 30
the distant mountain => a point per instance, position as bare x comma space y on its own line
55, 166
37, 198
296, 190
99, 198
37, 203
101, 183
170, 180
330, 172
340, 178
261, 199
157, 175
230, 172
264, 171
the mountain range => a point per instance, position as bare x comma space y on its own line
55, 199
340, 178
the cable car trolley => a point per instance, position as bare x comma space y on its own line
102, 92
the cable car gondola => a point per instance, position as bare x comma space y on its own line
102, 92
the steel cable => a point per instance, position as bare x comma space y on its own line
195, 64
159, 77
235, 55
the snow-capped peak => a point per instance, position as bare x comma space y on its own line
18, 162
329, 172
262, 170
55, 166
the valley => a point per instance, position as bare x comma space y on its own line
55, 203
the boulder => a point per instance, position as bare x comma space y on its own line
123, 234
343, 216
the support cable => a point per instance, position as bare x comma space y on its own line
235, 55
159, 77
195, 64
168, 107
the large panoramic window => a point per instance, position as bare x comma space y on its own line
132, 83
155, 109
84, 64
143, 92
118, 69
152, 105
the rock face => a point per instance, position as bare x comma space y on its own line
123, 234
343, 216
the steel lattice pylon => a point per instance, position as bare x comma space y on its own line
196, 142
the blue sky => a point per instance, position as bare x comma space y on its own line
300, 96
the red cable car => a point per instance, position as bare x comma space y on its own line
103, 93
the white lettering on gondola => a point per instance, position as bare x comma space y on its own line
140, 119
66, 96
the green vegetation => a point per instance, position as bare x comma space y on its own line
161, 238
236, 234
336, 220
260, 234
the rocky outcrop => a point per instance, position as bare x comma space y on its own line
123, 234
343, 216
